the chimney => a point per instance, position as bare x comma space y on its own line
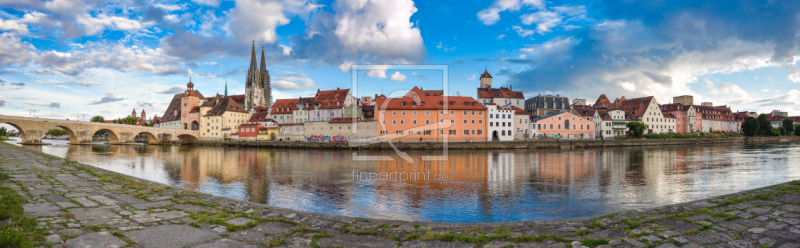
511, 87
337, 88
458, 94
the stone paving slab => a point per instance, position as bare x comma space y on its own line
170, 236
153, 217
146, 205
126, 198
42, 209
85, 202
226, 243
96, 217
356, 241
92, 240
102, 199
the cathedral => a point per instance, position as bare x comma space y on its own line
258, 92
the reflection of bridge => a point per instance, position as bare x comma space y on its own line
33, 129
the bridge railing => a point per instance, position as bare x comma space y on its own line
101, 124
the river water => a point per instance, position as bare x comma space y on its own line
467, 186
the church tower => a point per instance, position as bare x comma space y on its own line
265, 84
252, 86
486, 79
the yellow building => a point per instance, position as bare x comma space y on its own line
223, 116
268, 133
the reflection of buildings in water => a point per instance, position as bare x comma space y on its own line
500, 171
563, 167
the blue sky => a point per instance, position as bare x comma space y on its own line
67, 58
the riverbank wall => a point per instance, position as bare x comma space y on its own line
538, 144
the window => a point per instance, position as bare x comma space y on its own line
414, 112
394, 122
566, 125
427, 132
491, 124
441, 131
427, 122
404, 112
473, 112
394, 112
402, 122
480, 131
417, 132
465, 113
466, 132
399, 132
452, 121
473, 121
414, 122
551, 126
452, 132
441, 121
452, 112
465, 121
384, 132
427, 112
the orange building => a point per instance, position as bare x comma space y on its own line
418, 115
564, 125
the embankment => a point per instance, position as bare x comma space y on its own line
538, 144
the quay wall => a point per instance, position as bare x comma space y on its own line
538, 144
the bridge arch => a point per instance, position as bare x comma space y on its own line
113, 137
73, 137
187, 138
15, 126
195, 125
151, 138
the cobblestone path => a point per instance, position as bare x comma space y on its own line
82, 206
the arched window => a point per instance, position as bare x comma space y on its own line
566, 124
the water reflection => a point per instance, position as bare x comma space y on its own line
480, 186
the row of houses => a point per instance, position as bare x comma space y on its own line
498, 114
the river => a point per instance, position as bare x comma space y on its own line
467, 186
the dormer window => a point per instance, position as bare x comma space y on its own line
413, 104
421, 103
403, 103
414, 96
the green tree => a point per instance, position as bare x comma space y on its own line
131, 120
750, 126
3, 132
788, 124
781, 131
797, 130
710, 130
101, 120
56, 131
764, 125
637, 128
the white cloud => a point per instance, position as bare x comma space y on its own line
212, 3
109, 97
491, 15
380, 28
397, 76
378, 73
257, 20
175, 89
553, 46
500, 37
62, 87
726, 91
627, 86
445, 48
793, 73
14, 26
14, 51
116, 56
546, 20
294, 82
473, 77
169, 7
522, 32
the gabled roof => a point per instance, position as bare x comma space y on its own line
239, 99
195, 109
226, 104
259, 109
501, 92
486, 74
636, 107
517, 111
415, 99
260, 117
174, 105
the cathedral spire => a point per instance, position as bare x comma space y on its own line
226, 87
253, 63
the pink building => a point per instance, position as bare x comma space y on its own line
564, 125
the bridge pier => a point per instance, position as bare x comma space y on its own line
32, 137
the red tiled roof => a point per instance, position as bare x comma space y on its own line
238, 99
250, 125
519, 111
226, 104
288, 124
636, 107
486, 74
286, 106
260, 117
501, 92
195, 109
434, 92
423, 102
259, 109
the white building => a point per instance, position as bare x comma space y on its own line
610, 123
500, 123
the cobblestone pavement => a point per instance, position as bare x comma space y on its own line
82, 206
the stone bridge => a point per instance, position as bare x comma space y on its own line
33, 129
